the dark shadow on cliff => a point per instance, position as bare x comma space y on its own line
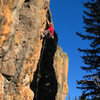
27, 1
47, 85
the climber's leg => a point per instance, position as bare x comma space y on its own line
46, 34
43, 33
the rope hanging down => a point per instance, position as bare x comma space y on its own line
38, 71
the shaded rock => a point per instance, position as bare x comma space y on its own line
44, 82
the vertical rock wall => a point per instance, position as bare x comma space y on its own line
20, 47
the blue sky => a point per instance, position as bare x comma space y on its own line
67, 19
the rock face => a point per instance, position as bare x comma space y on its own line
25, 58
61, 68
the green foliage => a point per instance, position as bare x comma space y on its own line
90, 85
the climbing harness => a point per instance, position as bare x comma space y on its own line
38, 71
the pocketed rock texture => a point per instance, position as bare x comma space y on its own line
21, 47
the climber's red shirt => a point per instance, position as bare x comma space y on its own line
51, 29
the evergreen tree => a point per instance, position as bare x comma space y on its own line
83, 97
90, 84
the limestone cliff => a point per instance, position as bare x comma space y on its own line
61, 69
24, 58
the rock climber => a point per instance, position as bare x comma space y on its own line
49, 33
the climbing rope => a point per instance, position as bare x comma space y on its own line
38, 71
